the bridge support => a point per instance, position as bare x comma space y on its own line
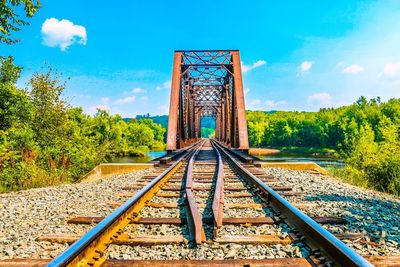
207, 83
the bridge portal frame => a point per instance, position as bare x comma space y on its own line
207, 83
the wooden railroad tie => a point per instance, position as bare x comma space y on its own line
387, 261
207, 220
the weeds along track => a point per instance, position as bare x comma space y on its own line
209, 205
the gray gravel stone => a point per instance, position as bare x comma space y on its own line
373, 213
28, 214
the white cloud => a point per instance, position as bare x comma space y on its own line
125, 100
258, 63
165, 85
62, 33
246, 91
273, 103
353, 69
144, 98
305, 67
391, 70
103, 107
319, 98
138, 90
93, 109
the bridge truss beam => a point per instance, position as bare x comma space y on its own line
207, 83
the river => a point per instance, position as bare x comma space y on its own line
150, 156
322, 160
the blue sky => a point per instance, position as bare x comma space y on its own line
297, 55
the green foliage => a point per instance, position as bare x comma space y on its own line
365, 135
207, 132
44, 141
10, 20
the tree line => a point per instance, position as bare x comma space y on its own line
44, 140
365, 135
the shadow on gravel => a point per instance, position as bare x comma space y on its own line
379, 218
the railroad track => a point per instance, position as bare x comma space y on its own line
198, 197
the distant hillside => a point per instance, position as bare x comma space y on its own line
163, 119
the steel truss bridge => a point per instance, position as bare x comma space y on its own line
207, 83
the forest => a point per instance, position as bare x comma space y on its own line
46, 141
365, 135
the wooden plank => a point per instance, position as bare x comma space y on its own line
62, 239
253, 239
245, 205
350, 236
380, 261
149, 240
162, 205
179, 221
205, 181
330, 220
284, 262
237, 195
384, 261
85, 220
150, 220
24, 262
209, 220
253, 221
168, 194
123, 239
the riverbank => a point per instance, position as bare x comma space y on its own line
307, 150
258, 151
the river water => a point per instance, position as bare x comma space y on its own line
150, 156
321, 160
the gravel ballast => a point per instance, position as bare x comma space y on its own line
25, 215
375, 214
28, 214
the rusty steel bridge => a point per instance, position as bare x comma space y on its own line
207, 83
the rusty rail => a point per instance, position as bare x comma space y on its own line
218, 200
315, 235
195, 223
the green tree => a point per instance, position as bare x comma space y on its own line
14, 103
10, 20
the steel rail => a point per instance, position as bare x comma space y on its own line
195, 223
73, 252
316, 236
218, 200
